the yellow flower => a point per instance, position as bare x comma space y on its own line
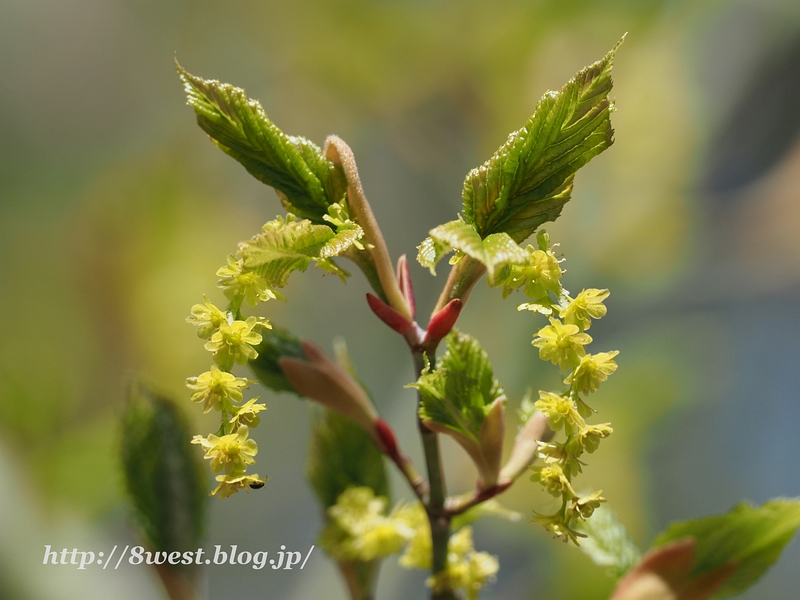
217, 389
207, 318
592, 370
584, 507
481, 567
553, 480
565, 454
248, 414
559, 410
419, 552
234, 342
240, 284
229, 485
556, 525
589, 436
360, 530
229, 453
587, 306
541, 275
561, 344
466, 569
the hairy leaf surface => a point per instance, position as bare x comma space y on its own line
306, 181
288, 245
460, 391
495, 251
529, 179
607, 542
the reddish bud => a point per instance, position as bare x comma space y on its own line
389, 315
404, 280
387, 437
442, 322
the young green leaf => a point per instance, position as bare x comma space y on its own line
165, 478
306, 182
342, 456
461, 398
460, 391
748, 537
529, 179
493, 251
288, 245
607, 542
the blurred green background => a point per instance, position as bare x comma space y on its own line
116, 211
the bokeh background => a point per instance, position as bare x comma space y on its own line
116, 211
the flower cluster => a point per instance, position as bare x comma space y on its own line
360, 530
539, 278
253, 274
563, 342
467, 569
231, 339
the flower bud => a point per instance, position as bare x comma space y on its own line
442, 322
388, 315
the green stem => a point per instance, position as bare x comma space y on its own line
463, 277
360, 578
437, 517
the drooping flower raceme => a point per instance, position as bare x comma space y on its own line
563, 343
252, 275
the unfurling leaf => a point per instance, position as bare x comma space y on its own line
461, 398
493, 252
288, 245
306, 182
165, 479
529, 179
748, 537
607, 542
